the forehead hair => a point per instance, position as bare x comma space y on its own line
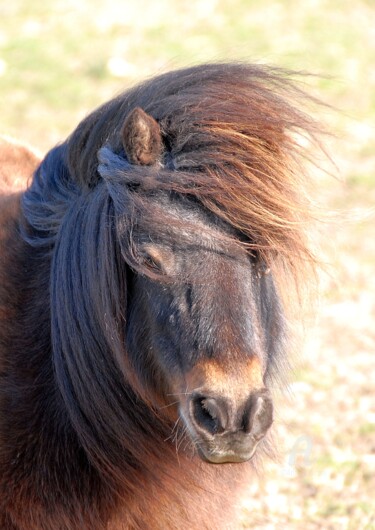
231, 132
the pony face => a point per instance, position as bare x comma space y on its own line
201, 344
195, 325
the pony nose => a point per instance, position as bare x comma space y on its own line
215, 415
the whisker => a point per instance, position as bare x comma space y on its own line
182, 438
173, 431
170, 405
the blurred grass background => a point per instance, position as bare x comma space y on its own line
60, 59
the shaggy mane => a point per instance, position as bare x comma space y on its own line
233, 133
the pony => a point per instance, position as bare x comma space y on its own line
146, 272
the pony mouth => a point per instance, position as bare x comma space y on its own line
225, 457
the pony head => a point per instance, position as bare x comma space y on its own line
177, 217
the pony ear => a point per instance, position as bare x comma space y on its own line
141, 138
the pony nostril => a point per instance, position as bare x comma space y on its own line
259, 416
208, 415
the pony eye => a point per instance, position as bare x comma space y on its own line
157, 258
151, 263
152, 258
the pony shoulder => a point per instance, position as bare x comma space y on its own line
18, 161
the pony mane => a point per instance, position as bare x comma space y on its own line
233, 132
230, 138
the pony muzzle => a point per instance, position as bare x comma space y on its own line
224, 432
227, 414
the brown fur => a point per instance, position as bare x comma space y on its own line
227, 380
228, 144
17, 165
